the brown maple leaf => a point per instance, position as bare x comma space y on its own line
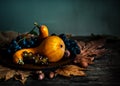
71, 70
89, 50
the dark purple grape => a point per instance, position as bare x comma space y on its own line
32, 43
63, 36
78, 51
9, 51
24, 42
70, 44
13, 47
35, 39
28, 46
17, 47
21, 42
14, 42
18, 38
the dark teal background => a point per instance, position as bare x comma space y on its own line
78, 17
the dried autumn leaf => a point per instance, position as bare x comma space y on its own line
89, 50
3, 71
9, 74
22, 76
71, 70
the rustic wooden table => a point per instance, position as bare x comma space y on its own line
105, 72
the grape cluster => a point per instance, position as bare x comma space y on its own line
22, 42
29, 57
70, 44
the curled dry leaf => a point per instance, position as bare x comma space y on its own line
7, 73
10, 74
71, 70
4, 73
89, 50
22, 76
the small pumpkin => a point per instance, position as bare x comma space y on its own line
51, 47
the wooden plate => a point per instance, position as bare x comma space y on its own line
27, 66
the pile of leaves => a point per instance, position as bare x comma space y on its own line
90, 51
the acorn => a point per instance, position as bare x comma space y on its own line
51, 75
41, 76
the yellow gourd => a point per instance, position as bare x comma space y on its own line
52, 47
43, 30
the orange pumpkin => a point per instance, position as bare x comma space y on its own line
52, 47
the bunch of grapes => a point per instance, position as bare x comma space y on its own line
29, 57
22, 42
71, 45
